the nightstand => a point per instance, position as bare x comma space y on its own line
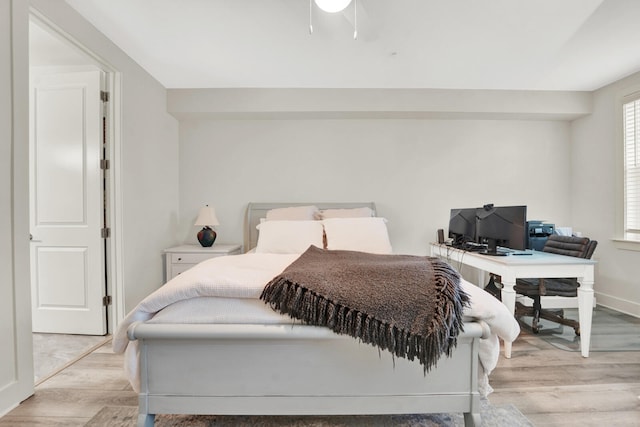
181, 258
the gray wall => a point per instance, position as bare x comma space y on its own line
16, 363
146, 164
597, 203
417, 154
415, 170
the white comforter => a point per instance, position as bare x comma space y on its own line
244, 276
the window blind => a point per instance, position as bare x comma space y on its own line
631, 111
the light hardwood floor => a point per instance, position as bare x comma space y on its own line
551, 387
53, 352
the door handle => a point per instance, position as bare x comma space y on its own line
31, 238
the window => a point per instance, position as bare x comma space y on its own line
631, 117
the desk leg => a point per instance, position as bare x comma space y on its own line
585, 314
482, 278
509, 300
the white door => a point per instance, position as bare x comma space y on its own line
66, 204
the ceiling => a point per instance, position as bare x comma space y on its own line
456, 44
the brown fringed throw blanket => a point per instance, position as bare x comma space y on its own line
409, 305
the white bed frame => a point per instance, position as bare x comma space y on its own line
232, 369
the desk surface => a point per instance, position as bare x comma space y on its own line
535, 257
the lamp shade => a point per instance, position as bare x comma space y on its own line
207, 217
332, 6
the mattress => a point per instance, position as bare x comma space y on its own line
206, 310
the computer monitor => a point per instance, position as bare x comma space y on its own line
502, 226
462, 226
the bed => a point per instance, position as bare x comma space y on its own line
192, 351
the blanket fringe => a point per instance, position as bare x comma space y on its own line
441, 338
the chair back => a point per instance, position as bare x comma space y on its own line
580, 247
591, 248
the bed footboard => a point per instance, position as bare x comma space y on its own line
294, 370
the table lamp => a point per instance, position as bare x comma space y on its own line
207, 219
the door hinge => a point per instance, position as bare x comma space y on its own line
106, 300
105, 232
105, 164
104, 96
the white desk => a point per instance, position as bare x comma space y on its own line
539, 264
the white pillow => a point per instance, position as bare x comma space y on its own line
288, 237
293, 213
365, 212
357, 234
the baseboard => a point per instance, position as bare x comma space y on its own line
618, 304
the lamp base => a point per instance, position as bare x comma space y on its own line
206, 237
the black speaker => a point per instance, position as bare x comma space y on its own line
440, 235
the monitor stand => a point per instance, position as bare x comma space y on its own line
492, 249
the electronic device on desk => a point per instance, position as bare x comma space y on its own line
501, 226
462, 226
538, 233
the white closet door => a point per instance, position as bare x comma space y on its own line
66, 195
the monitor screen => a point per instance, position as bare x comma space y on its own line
502, 226
462, 225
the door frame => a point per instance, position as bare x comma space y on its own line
113, 249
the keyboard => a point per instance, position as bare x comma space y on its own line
507, 251
473, 247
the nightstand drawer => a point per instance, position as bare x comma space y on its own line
179, 268
181, 258
186, 258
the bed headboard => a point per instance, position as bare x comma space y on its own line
255, 211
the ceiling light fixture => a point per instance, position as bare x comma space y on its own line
334, 6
